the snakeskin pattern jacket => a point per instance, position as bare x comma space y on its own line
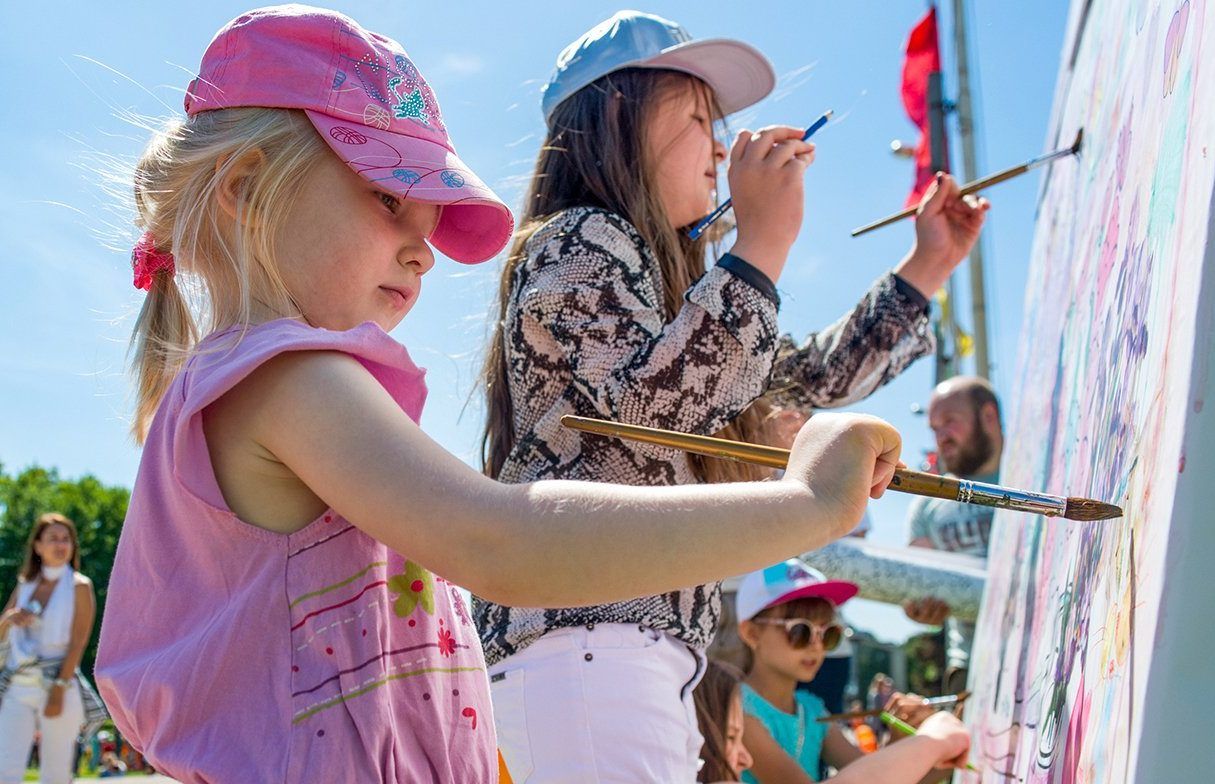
586, 335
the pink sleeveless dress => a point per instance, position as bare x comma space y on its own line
230, 653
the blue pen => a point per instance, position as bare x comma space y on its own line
712, 217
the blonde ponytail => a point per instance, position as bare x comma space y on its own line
164, 334
220, 272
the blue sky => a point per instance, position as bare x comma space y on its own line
66, 301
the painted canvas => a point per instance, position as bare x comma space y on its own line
1094, 646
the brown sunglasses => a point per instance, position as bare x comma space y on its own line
801, 632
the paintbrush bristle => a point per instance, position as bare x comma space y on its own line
1088, 509
1076, 144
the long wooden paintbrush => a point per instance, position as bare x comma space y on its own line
974, 186
905, 480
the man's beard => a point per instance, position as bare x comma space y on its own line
972, 455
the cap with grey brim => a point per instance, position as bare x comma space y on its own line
738, 73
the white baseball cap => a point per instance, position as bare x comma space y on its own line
739, 73
784, 582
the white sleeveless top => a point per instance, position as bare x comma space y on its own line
48, 636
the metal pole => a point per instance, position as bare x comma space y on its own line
978, 299
936, 122
946, 358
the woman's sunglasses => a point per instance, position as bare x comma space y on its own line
801, 632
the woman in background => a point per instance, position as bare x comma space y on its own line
46, 623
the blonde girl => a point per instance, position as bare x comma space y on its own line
283, 604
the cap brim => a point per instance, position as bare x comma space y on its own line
835, 591
739, 73
475, 224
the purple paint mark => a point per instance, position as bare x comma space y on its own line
1173, 41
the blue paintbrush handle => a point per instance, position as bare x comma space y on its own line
712, 217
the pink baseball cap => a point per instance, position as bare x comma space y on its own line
369, 103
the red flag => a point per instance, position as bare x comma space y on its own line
923, 58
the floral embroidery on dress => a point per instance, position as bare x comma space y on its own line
447, 643
415, 587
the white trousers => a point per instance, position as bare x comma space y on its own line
20, 715
602, 703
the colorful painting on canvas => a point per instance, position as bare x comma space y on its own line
1101, 399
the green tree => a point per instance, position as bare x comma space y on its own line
97, 509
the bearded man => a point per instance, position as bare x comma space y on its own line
964, 415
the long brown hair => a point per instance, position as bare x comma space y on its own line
33, 562
717, 689
595, 156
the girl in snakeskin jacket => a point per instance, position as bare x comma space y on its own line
607, 311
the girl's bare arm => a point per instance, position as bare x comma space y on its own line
549, 543
771, 764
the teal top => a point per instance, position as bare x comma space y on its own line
790, 730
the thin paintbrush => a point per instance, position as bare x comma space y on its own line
947, 701
974, 186
905, 480
712, 217
894, 722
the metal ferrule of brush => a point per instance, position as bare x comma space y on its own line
984, 494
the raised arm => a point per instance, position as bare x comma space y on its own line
331, 424
889, 328
844, 363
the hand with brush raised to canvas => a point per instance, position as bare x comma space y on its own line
947, 225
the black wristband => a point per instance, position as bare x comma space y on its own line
909, 291
748, 273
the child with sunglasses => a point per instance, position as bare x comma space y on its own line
787, 620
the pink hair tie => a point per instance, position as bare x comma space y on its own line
148, 261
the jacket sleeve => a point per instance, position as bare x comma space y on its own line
886, 331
